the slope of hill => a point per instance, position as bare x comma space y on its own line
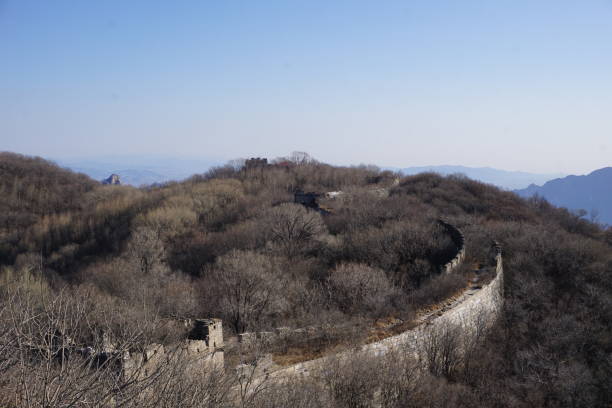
510, 180
592, 193
39, 186
232, 244
32, 191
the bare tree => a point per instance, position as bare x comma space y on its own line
292, 228
440, 349
251, 384
236, 164
247, 284
358, 287
296, 392
54, 358
178, 386
146, 250
352, 382
398, 378
62, 350
301, 158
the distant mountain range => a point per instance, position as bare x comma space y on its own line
146, 170
139, 170
592, 193
510, 180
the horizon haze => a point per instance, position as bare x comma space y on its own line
143, 170
511, 85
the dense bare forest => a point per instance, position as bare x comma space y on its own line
90, 262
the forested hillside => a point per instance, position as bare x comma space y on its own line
233, 244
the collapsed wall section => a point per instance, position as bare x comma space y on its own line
202, 351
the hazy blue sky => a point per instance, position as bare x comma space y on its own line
520, 85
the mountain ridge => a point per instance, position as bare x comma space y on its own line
507, 179
591, 192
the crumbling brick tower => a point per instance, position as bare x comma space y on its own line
208, 330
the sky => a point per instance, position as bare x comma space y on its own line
511, 84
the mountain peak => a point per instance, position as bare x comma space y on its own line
113, 179
590, 193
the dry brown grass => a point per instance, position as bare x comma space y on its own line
299, 354
382, 332
381, 329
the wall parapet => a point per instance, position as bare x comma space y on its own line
459, 240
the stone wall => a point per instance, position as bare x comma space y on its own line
201, 351
283, 333
208, 330
194, 355
459, 240
472, 316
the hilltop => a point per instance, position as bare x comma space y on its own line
505, 179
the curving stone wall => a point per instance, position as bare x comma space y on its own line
477, 311
251, 338
471, 315
459, 240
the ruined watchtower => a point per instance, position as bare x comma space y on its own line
208, 330
255, 163
202, 351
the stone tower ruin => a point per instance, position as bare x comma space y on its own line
202, 351
208, 330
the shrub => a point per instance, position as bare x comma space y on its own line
358, 288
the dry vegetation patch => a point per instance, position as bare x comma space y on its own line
232, 244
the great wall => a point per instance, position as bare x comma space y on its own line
459, 240
284, 333
203, 350
471, 313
